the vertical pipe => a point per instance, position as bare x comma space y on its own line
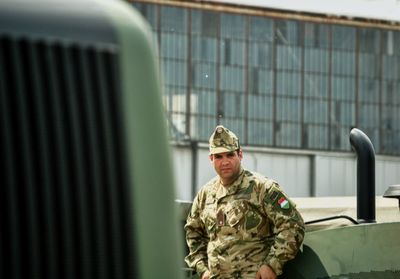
364, 149
195, 149
274, 82
189, 74
246, 81
313, 176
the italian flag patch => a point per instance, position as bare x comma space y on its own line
283, 203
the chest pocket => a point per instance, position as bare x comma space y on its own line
246, 217
237, 212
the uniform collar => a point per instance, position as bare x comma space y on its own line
231, 189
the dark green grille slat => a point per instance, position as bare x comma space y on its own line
59, 114
120, 255
95, 175
82, 169
11, 238
49, 200
33, 151
64, 208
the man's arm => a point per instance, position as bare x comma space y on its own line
197, 239
288, 228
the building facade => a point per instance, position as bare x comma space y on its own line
291, 85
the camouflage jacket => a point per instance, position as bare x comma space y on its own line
232, 231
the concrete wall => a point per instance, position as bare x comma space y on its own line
335, 175
299, 173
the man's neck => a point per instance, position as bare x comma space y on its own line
228, 182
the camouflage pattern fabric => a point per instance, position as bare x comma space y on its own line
233, 230
223, 140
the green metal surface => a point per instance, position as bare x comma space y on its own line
388, 274
156, 227
349, 252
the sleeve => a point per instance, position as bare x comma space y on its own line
197, 239
288, 228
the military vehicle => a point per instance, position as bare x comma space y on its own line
86, 186
363, 249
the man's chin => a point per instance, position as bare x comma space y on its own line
226, 174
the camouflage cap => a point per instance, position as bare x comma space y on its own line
222, 140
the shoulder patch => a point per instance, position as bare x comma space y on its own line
277, 199
284, 203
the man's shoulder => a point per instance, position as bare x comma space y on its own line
260, 178
210, 185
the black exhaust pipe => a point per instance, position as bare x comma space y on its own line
364, 149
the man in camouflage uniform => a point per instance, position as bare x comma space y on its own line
241, 224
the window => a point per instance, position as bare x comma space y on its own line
277, 82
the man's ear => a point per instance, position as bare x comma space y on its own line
211, 156
240, 154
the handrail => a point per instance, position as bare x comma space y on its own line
332, 218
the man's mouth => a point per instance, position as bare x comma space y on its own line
226, 169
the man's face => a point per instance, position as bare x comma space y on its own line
227, 165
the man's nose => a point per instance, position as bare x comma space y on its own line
225, 161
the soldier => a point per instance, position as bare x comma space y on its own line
241, 224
